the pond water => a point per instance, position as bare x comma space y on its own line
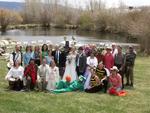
57, 35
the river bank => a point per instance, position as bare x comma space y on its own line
64, 26
72, 28
29, 26
36, 34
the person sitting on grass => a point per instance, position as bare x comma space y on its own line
43, 72
14, 77
95, 83
74, 86
64, 84
52, 77
102, 74
91, 63
115, 81
30, 74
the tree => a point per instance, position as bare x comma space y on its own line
8, 17
32, 11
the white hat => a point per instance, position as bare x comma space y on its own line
109, 47
114, 68
100, 62
113, 43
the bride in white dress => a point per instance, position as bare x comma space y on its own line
71, 65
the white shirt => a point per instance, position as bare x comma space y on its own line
17, 58
93, 62
57, 56
78, 59
43, 71
15, 73
114, 52
107, 71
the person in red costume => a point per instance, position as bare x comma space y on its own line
30, 74
108, 59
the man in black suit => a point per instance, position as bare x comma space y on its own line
81, 62
60, 60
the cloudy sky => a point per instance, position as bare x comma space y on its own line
109, 3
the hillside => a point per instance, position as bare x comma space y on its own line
11, 5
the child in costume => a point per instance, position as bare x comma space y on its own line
95, 83
74, 86
64, 84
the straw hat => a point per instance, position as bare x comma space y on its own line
109, 48
114, 44
114, 68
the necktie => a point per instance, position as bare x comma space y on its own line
57, 53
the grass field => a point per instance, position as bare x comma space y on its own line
137, 100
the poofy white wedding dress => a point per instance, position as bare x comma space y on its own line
70, 69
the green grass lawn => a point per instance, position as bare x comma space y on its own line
137, 100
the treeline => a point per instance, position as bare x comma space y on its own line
49, 12
8, 17
95, 17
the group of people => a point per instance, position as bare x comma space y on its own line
45, 67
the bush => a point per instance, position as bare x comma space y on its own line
86, 21
8, 17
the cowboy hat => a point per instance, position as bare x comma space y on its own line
114, 68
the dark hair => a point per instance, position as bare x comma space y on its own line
67, 44
31, 60
15, 63
37, 48
49, 51
28, 47
119, 46
52, 62
93, 52
43, 47
80, 48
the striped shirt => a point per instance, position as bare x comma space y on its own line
101, 73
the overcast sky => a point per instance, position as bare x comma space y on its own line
109, 3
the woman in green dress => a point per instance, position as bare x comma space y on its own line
44, 52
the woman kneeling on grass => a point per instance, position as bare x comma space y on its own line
114, 81
53, 76
14, 77
95, 83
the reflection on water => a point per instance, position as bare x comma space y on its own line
57, 35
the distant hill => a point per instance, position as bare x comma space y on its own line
11, 5
19, 5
